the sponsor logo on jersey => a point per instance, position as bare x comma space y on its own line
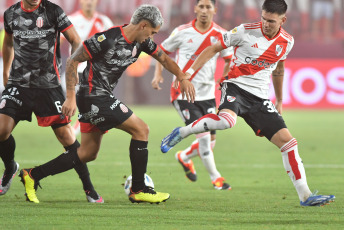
123, 108
115, 104
213, 39
39, 22
101, 38
279, 49
255, 45
233, 31
261, 64
3, 103
30, 33
28, 22
231, 98
186, 114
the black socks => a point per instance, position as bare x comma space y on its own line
139, 159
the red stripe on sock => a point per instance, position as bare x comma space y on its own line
193, 147
289, 145
294, 165
228, 118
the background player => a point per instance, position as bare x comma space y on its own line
189, 41
31, 51
108, 54
87, 22
260, 49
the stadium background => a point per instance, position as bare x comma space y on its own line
314, 69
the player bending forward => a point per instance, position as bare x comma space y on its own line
259, 51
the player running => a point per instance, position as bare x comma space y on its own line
108, 54
260, 50
31, 51
189, 41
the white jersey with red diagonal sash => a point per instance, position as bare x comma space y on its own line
255, 56
86, 28
188, 42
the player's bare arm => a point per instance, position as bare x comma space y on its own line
277, 80
73, 38
157, 76
8, 54
80, 55
226, 70
205, 56
186, 87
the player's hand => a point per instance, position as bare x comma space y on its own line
188, 90
156, 80
69, 107
278, 106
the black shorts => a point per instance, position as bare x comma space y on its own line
190, 112
258, 113
19, 103
101, 113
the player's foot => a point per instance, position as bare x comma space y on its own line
148, 195
189, 168
93, 197
170, 140
317, 200
30, 185
220, 184
7, 177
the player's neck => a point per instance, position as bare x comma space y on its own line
203, 27
29, 7
130, 32
88, 14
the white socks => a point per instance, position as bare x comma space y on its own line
209, 122
294, 167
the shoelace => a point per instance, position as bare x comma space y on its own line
149, 189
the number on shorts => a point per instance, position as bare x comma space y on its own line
58, 106
270, 106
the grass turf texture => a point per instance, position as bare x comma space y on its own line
262, 197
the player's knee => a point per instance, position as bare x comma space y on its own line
141, 133
228, 121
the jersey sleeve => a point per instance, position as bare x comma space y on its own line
98, 44
172, 43
233, 37
149, 47
7, 23
227, 53
289, 47
63, 22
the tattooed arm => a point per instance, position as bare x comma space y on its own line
186, 87
80, 55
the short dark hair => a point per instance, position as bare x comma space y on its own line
213, 1
275, 6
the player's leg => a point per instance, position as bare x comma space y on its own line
294, 166
65, 135
7, 149
138, 151
226, 118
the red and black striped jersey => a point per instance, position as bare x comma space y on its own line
36, 41
111, 53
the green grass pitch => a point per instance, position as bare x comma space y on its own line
262, 197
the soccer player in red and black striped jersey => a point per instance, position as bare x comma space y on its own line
108, 54
32, 63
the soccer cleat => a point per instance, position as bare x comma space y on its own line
189, 168
170, 140
317, 200
219, 184
30, 185
148, 195
93, 197
7, 178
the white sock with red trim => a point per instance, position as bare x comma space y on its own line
294, 167
190, 152
209, 122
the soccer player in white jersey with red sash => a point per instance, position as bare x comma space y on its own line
259, 51
189, 40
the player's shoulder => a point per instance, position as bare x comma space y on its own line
286, 35
252, 26
12, 8
49, 5
219, 28
184, 26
